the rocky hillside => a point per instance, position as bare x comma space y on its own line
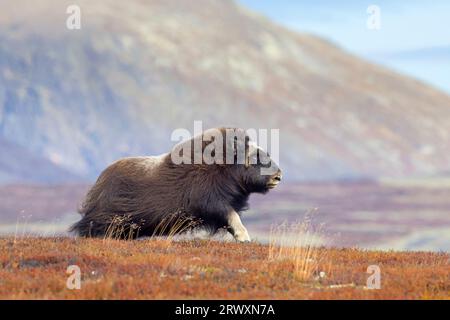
139, 69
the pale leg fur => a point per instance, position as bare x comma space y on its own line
236, 228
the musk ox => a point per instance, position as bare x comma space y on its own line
208, 188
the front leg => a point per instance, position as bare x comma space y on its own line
236, 228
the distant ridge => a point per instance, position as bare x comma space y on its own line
18, 165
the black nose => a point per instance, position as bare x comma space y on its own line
278, 176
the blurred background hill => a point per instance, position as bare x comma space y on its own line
73, 101
139, 69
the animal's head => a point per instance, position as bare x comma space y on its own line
231, 152
257, 171
260, 173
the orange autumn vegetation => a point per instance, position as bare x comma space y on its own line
35, 268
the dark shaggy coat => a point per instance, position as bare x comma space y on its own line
145, 196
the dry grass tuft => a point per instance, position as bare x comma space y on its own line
298, 244
175, 224
121, 227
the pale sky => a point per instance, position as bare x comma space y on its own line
414, 37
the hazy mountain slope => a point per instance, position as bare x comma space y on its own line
18, 165
137, 70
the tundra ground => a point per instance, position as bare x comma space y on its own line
36, 268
